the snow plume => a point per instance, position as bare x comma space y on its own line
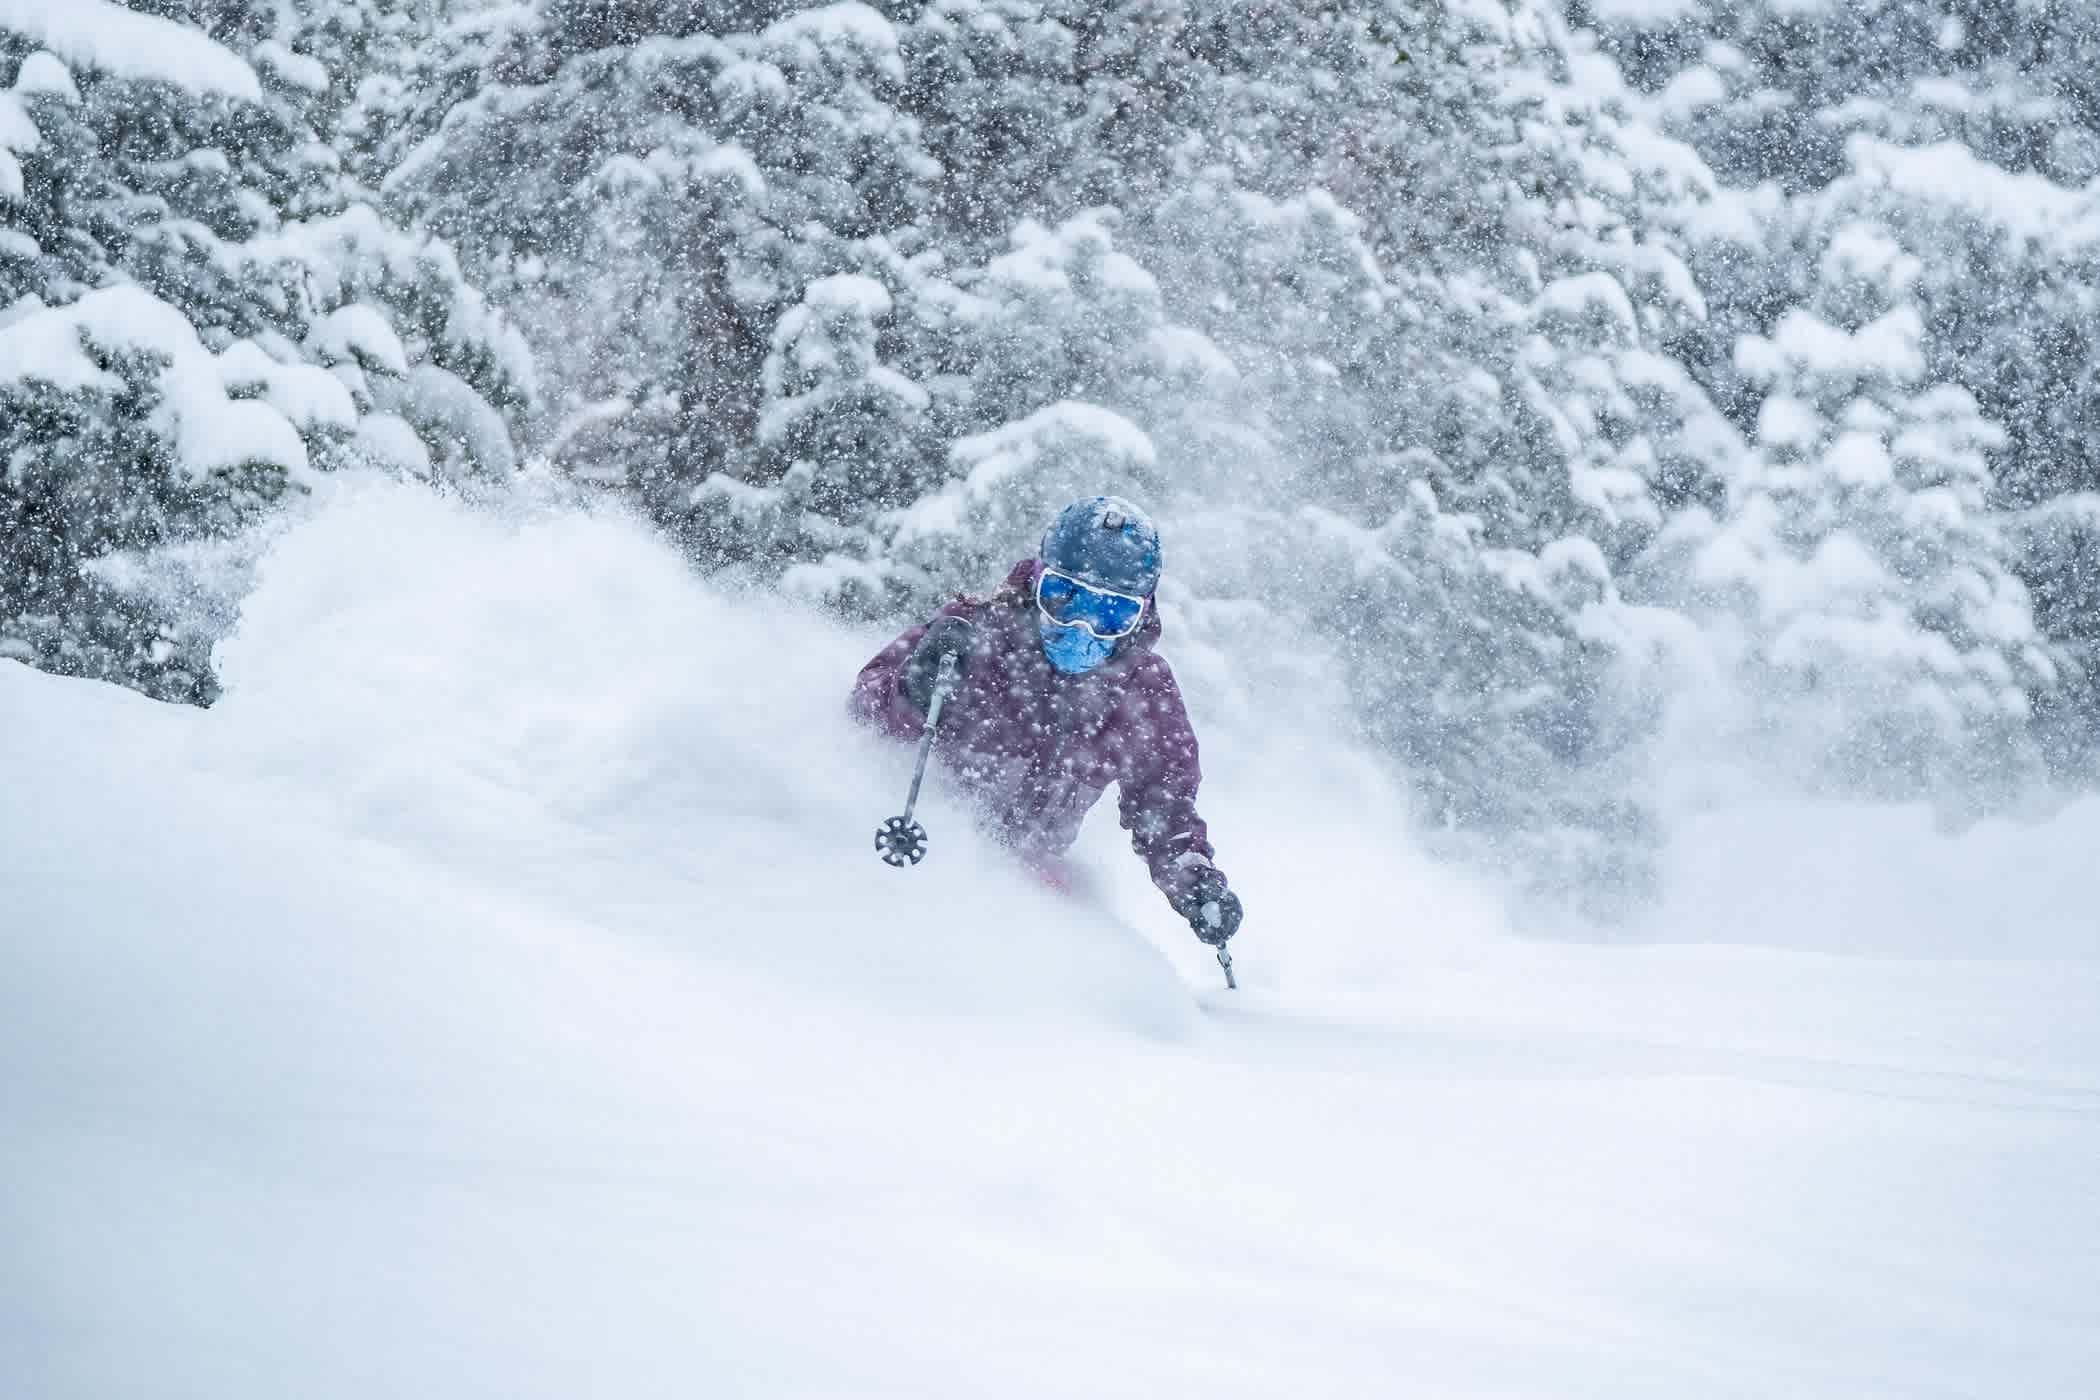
496, 994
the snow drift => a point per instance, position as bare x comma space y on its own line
497, 995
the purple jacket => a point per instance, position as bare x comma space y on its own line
1035, 749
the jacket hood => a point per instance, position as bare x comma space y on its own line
1019, 591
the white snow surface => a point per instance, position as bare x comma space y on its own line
109, 38
497, 994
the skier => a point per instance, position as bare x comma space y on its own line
1058, 694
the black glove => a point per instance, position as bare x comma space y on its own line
1212, 909
948, 636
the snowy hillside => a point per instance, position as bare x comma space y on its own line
495, 995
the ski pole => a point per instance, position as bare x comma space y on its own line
1225, 961
900, 841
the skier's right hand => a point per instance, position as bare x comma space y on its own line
948, 636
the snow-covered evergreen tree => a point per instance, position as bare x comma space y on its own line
198, 318
1970, 132
1890, 635
651, 170
1473, 370
841, 439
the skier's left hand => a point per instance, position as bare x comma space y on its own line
1211, 908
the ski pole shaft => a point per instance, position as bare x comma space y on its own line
900, 841
1225, 961
941, 680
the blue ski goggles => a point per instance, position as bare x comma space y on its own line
1102, 612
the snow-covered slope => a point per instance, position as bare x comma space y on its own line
496, 995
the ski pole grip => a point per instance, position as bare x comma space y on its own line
943, 684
